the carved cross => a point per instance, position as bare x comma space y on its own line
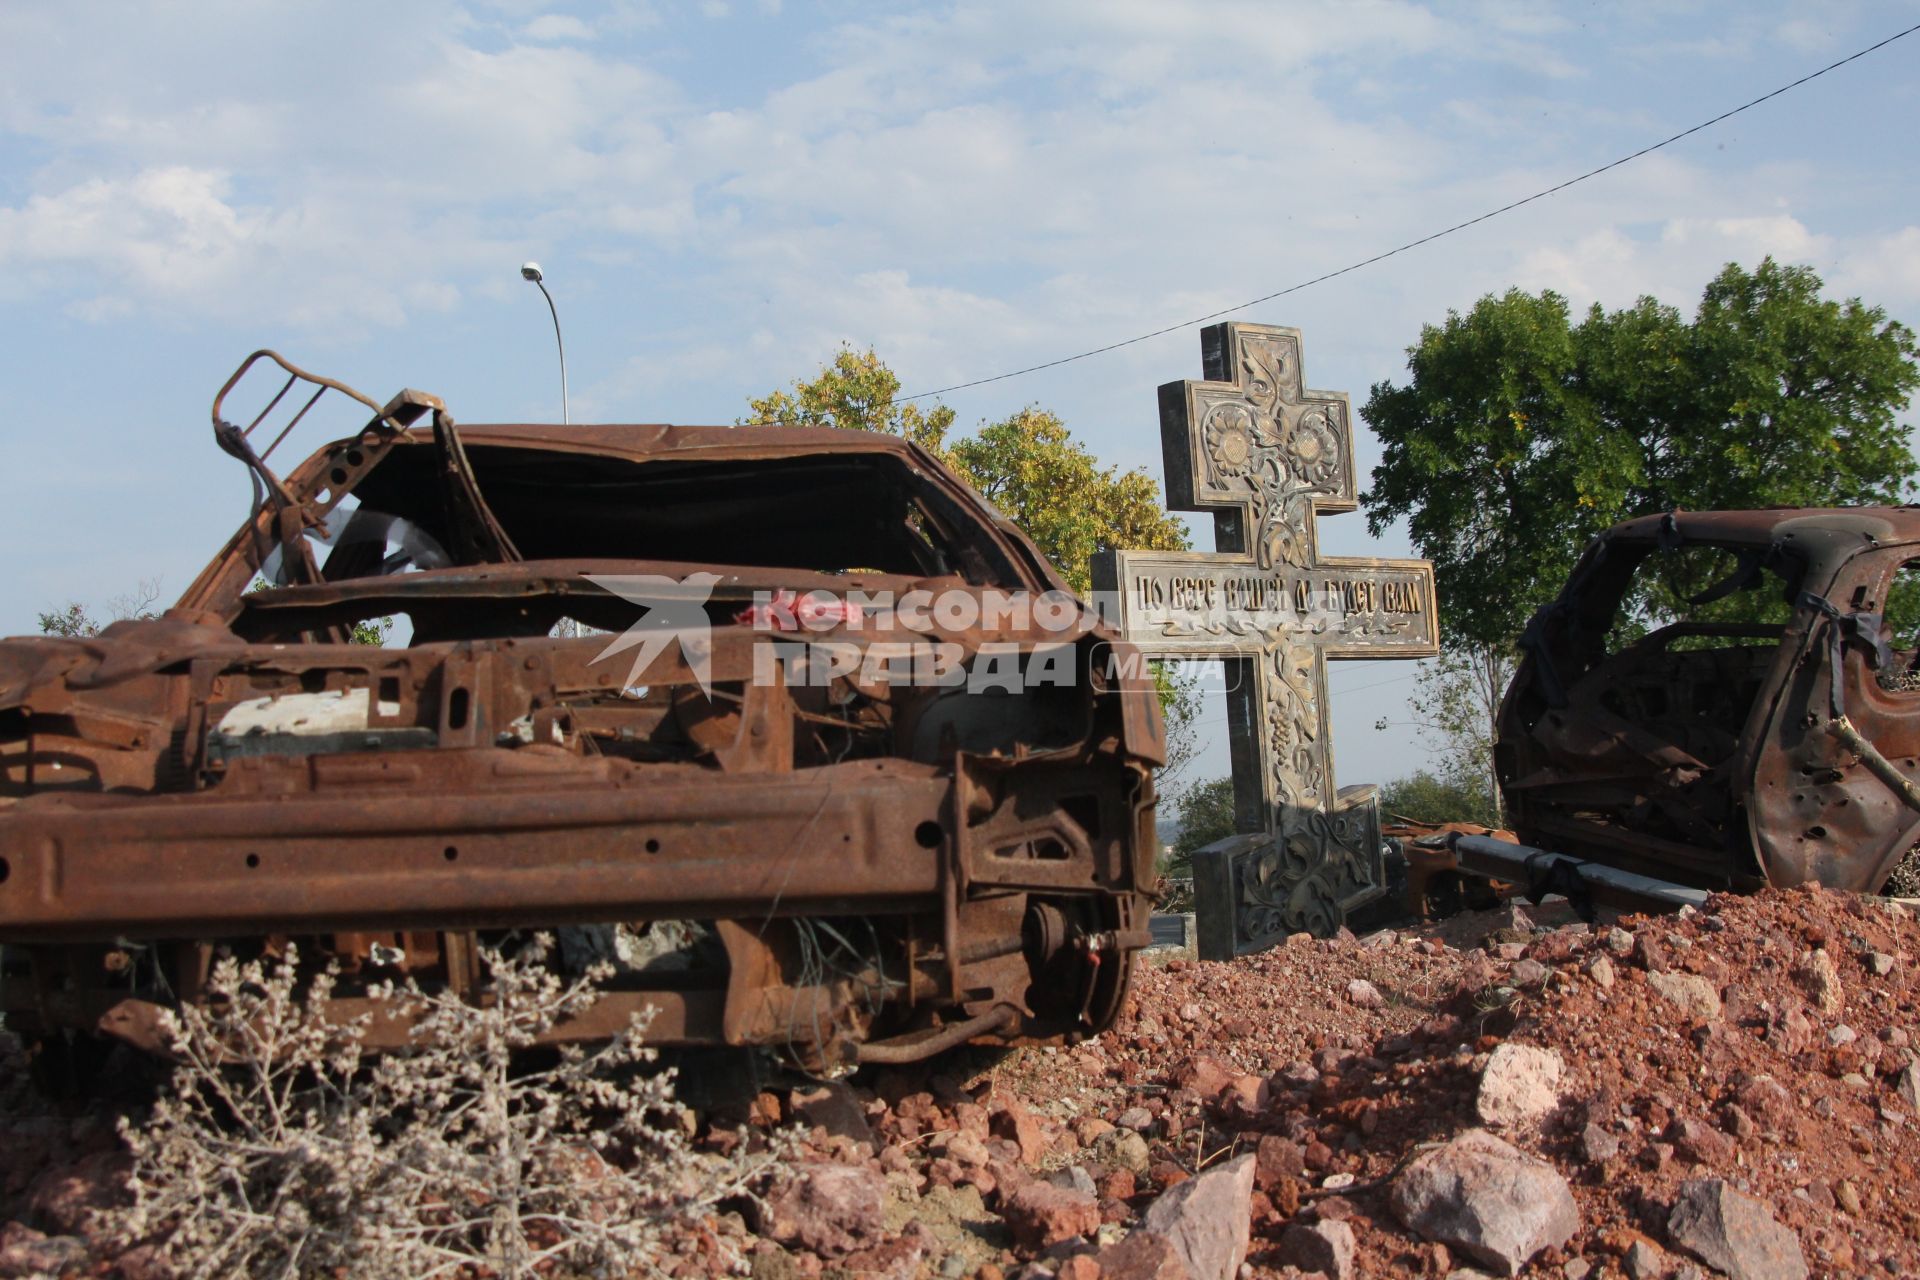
1265, 455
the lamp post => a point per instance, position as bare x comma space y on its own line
531, 271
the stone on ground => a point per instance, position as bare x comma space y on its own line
1207, 1219
827, 1208
1734, 1233
1521, 1083
833, 1107
1326, 1247
1692, 994
1486, 1198
1041, 1215
1143, 1256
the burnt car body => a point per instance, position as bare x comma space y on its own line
1770, 741
835, 866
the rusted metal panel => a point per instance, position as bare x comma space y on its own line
812, 854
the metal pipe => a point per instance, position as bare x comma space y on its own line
913, 1049
1523, 862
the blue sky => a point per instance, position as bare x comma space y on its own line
721, 194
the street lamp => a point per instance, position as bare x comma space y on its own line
531, 271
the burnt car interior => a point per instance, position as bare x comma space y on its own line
1649, 668
860, 517
836, 866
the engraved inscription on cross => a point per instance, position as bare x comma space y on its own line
1265, 455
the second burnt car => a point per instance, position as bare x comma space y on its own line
634, 696
1768, 734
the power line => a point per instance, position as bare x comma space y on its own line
1426, 239
1201, 724
1376, 684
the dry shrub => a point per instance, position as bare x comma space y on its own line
279, 1149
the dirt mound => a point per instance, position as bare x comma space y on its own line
1758, 1055
1766, 1042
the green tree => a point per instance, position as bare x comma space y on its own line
855, 392
73, 620
1205, 814
1520, 435
1446, 796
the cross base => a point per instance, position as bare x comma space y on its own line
1252, 890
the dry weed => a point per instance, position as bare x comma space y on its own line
280, 1149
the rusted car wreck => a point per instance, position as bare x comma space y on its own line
1768, 737
836, 867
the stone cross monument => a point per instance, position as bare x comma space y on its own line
1265, 455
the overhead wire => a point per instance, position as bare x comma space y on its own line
1423, 240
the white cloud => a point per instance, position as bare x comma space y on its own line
557, 27
1885, 269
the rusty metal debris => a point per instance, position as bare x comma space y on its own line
836, 869
1769, 737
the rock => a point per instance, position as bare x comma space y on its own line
1528, 973
1022, 1128
1734, 1233
1116, 1184
1644, 1261
1822, 982
968, 1150
1768, 1100
26, 1252
1700, 1142
1138, 1119
1692, 994
1521, 1083
1040, 1214
1206, 1219
828, 1209
1601, 971
1365, 994
1074, 1178
66, 1198
1142, 1256
1847, 1196
896, 1258
1122, 1149
1879, 963
832, 1107
1250, 1093
1619, 941
1204, 1075
1277, 1159
1598, 1145
1486, 1198
1326, 1247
